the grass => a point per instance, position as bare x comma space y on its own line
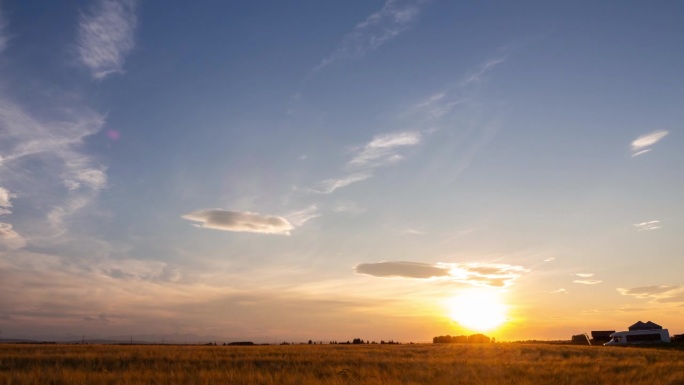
334, 364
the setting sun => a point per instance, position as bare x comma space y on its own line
479, 310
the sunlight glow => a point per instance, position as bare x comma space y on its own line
479, 310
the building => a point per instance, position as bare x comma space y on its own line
645, 326
601, 336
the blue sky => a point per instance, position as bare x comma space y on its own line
326, 169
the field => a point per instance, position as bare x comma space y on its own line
338, 364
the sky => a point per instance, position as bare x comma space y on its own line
286, 171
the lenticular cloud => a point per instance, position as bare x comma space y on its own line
476, 274
240, 221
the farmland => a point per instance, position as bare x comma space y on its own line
501, 363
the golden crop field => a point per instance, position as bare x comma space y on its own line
501, 363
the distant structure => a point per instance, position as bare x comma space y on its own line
640, 333
645, 326
601, 336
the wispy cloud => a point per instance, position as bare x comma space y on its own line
105, 36
10, 239
413, 232
69, 178
485, 67
5, 204
382, 150
347, 207
658, 294
587, 281
385, 149
330, 185
380, 27
437, 105
642, 144
441, 103
240, 221
476, 274
559, 291
585, 275
645, 226
300, 217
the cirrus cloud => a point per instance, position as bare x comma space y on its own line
656, 293
391, 20
240, 221
106, 36
382, 149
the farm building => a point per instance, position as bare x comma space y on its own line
645, 326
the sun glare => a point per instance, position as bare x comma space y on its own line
479, 310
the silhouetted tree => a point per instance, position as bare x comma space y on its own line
473, 339
478, 339
580, 339
441, 339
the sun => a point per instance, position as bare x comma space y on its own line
478, 310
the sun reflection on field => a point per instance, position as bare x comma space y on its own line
478, 309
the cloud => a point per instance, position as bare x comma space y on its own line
380, 27
402, 269
5, 203
105, 36
91, 178
382, 149
476, 274
330, 185
645, 226
587, 281
347, 207
658, 294
64, 178
549, 259
557, 291
413, 232
441, 103
584, 275
437, 105
10, 239
641, 144
240, 221
23, 135
299, 218
486, 66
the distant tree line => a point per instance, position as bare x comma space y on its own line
471, 339
359, 341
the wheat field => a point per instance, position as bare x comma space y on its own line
501, 363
